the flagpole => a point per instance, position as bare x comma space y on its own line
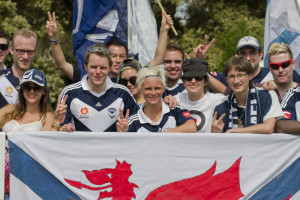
129, 26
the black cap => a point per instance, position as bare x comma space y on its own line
194, 67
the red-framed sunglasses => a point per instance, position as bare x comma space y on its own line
284, 64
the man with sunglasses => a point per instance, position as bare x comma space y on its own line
94, 103
4, 42
23, 50
282, 66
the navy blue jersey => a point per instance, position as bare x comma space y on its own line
290, 104
90, 111
268, 103
220, 77
170, 119
8, 88
178, 88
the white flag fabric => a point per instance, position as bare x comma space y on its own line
143, 37
282, 25
124, 166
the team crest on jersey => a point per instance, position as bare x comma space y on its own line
84, 111
9, 91
112, 112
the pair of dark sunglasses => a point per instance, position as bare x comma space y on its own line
284, 65
197, 78
131, 80
29, 87
3, 47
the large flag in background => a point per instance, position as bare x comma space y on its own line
282, 25
98, 21
124, 166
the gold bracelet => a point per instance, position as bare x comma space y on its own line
55, 126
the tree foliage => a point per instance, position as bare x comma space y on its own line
226, 21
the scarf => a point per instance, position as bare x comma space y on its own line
253, 114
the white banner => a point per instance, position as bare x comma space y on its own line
82, 165
2, 164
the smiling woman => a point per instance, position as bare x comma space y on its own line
154, 115
32, 112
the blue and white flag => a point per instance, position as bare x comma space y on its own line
282, 25
154, 166
98, 21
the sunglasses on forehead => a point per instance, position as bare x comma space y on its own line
284, 65
131, 80
197, 78
29, 87
3, 47
95, 49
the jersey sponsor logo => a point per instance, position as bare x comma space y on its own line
84, 112
112, 112
287, 114
9, 91
187, 114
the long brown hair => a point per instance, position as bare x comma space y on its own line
19, 109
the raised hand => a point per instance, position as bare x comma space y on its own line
61, 109
217, 124
166, 21
122, 123
201, 50
51, 27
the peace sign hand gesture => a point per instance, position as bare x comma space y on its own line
51, 27
217, 124
61, 109
201, 50
122, 123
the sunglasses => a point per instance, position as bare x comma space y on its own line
131, 80
95, 49
22, 52
29, 87
3, 47
197, 78
284, 65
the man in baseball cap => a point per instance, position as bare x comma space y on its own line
249, 48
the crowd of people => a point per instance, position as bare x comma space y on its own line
170, 94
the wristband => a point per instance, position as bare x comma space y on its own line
54, 41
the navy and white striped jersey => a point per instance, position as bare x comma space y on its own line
290, 104
170, 119
90, 111
176, 89
8, 88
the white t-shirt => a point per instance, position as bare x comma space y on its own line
201, 109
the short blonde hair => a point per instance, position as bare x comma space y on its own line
146, 72
25, 33
277, 48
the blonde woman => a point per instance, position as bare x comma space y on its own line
154, 115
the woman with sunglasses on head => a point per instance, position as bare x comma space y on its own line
154, 115
198, 100
32, 112
246, 109
127, 76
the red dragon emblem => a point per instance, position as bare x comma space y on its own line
121, 188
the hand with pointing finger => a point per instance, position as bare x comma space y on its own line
122, 123
217, 124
